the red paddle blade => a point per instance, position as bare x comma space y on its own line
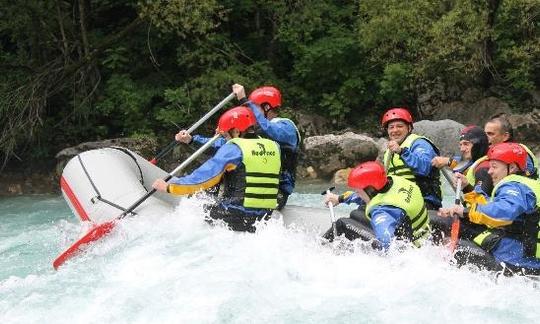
93, 235
454, 235
153, 161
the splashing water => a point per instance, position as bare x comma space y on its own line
176, 268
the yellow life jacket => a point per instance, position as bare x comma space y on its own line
262, 162
406, 195
527, 231
429, 185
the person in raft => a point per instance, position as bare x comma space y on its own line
265, 102
507, 222
409, 155
499, 130
246, 167
473, 146
395, 208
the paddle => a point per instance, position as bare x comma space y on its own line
172, 144
332, 214
103, 229
454, 230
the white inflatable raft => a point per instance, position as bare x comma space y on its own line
100, 184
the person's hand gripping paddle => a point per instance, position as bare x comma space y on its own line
332, 214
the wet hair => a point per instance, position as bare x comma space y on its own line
506, 126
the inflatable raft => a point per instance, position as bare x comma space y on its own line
100, 184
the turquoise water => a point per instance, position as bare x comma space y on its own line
176, 269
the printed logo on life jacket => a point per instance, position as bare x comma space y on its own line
512, 192
408, 192
262, 152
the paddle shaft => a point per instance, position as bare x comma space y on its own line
170, 175
333, 217
454, 230
209, 114
332, 214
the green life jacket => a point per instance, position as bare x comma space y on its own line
256, 182
527, 231
471, 178
534, 173
430, 185
406, 195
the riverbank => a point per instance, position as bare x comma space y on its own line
23, 182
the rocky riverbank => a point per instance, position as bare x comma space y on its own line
324, 155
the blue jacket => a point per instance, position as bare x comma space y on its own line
227, 158
510, 203
384, 219
418, 157
281, 131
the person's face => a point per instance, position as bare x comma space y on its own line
497, 170
465, 147
495, 134
363, 195
397, 130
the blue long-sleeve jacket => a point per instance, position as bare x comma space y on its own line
284, 132
511, 202
384, 219
418, 157
281, 131
227, 158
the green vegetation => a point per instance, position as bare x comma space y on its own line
79, 70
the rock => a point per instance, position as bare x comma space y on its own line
312, 124
527, 128
311, 173
475, 113
146, 147
14, 189
329, 153
443, 133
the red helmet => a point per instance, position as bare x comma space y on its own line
396, 114
268, 95
509, 153
368, 174
238, 117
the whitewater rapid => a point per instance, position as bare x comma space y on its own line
176, 268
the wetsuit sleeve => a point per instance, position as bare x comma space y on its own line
201, 140
511, 200
384, 221
349, 197
281, 131
419, 156
227, 158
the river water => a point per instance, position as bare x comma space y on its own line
177, 269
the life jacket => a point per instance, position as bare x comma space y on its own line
526, 229
289, 154
429, 185
406, 195
254, 183
530, 174
534, 173
471, 178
